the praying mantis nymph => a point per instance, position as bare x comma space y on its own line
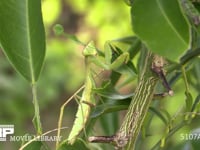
87, 98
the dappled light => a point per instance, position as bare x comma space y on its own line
99, 74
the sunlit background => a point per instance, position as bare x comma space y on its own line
63, 71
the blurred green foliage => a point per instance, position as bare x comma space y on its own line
63, 73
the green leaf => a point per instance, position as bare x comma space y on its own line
196, 105
159, 114
121, 62
161, 25
110, 106
109, 123
189, 101
134, 48
196, 73
78, 145
108, 91
22, 36
126, 40
133, 41
34, 145
194, 138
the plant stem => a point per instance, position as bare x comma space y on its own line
36, 119
189, 56
130, 128
185, 79
171, 132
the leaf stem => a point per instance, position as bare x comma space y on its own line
36, 119
189, 56
185, 79
171, 132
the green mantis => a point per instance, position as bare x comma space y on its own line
93, 57
113, 59
84, 107
87, 99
